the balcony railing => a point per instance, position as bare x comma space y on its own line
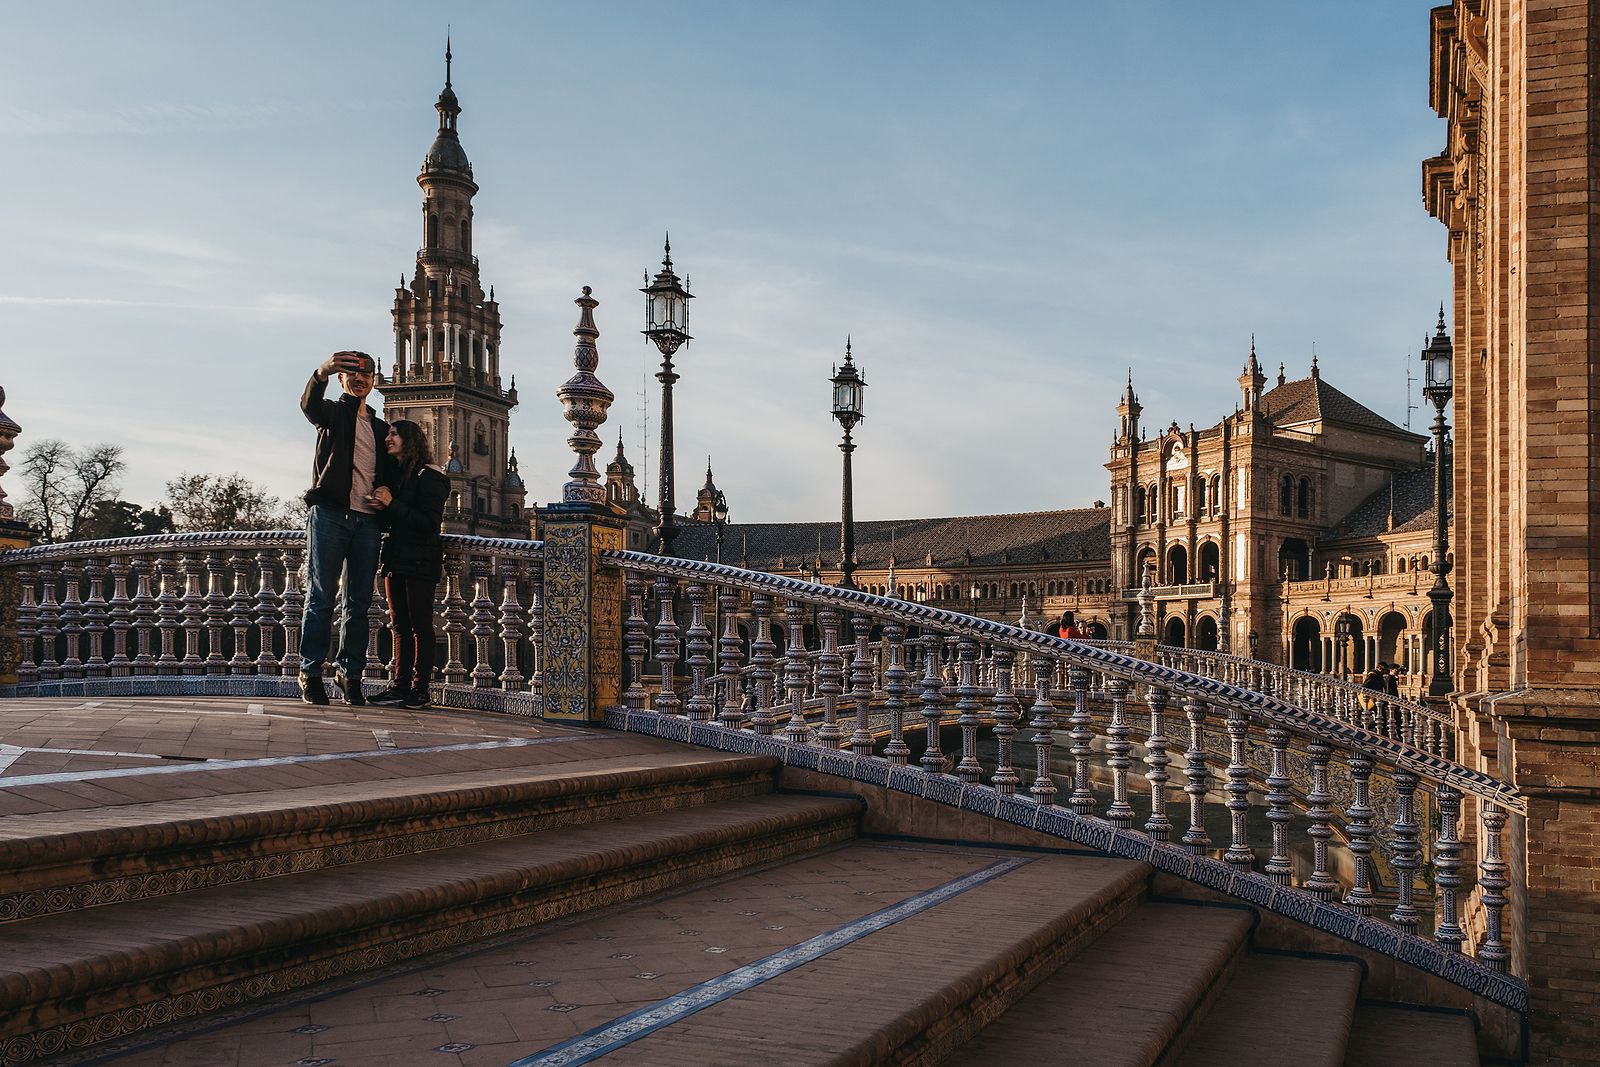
1192, 591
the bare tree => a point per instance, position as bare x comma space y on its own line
67, 486
225, 502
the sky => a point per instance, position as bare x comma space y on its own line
1008, 207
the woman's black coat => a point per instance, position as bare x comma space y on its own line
413, 547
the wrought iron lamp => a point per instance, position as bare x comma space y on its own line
666, 314
719, 519
849, 388
1439, 388
1341, 636
1255, 643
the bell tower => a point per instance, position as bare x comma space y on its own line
446, 373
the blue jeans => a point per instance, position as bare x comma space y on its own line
338, 540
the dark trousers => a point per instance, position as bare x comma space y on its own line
411, 620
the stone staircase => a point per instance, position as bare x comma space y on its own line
608, 896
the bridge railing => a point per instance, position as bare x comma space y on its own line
229, 604
1042, 685
1415, 723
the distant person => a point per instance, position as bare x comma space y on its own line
413, 560
1067, 627
349, 467
1374, 685
1391, 679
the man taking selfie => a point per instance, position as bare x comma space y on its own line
350, 479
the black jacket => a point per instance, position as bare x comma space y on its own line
413, 547
335, 421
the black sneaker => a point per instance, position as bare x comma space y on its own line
417, 698
311, 689
392, 695
353, 696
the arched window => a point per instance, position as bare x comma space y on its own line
1303, 499
1155, 504
1286, 496
1139, 505
1070, 590
1216, 495
465, 232
433, 230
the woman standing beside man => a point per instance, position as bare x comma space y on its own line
412, 560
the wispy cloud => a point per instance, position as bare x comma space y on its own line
172, 117
271, 305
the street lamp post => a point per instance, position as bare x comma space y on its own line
1255, 643
1439, 389
666, 313
848, 391
719, 519
1341, 634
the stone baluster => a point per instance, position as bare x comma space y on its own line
511, 679
699, 707
216, 614
267, 618
144, 616
967, 708
71, 620
455, 621
94, 626
1447, 866
1006, 713
1196, 776
895, 677
666, 648
796, 671
293, 612
119, 613
1120, 812
377, 623
1158, 826
1358, 828
1320, 814
1405, 854
761, 660
535, 629
635, 642
27, 627
170, 612
193, 614
830, 678
861, 685
1042, 718
239, 604
482, 676
1081, 738
1279, 805
730, 650
49, 624
1493, 882
932, 760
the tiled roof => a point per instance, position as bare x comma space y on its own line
1412, 502
1312, 400
1033, 537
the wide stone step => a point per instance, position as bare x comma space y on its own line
68, 980
1127, 999
1383, 1034
175, 831
1278, 1010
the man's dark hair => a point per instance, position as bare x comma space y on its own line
368, 364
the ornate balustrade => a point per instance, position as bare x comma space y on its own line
228, 605
1159, 713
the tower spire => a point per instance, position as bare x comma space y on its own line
447, 57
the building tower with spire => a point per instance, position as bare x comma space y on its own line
446, 373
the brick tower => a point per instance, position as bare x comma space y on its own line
446, 373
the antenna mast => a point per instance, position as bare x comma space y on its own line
1410, 407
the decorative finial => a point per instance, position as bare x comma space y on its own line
1314, 372
1441, 316
491, 294
1146, 627
847, 356
585, 402
447, 56
666, 252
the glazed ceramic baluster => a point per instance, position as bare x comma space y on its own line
27, 627
761, 661
455, 621
1196, 775
511, 679
1082, 738
1320, 815
216, 614
193, 615
1120, 813
1447, 865
830, 678
666, 648
861, 685
730, 650
1006, 714
1493, 881
698, 637
293, 612
895, 676
1042, 718
535, 629
483, 619
636, 643
170, 612
120, 614
796, 671
1279, 801
94, 626
268, 614
49, 623
932, 760
967, 708
1358, 828
1406, 856
1158, 826
144, 615
377, 622
239, 615
71, 620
